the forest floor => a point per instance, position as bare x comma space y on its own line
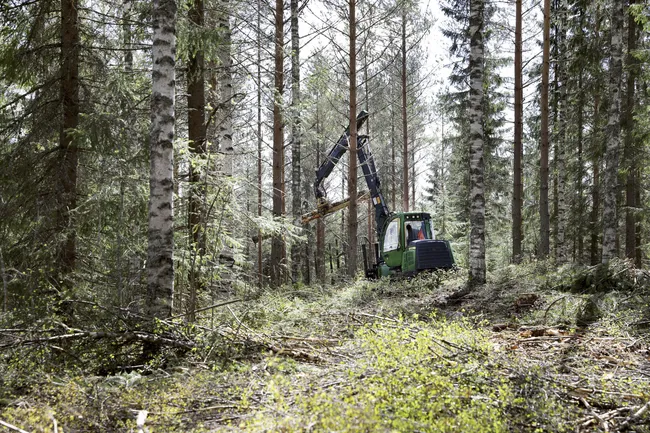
536, 349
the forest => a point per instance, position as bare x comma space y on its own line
189, 244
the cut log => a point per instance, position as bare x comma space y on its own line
325, 207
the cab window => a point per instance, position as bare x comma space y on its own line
433, 233
391, 238
415, 230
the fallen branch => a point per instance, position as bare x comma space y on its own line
632, 418
222, 304
201, 409
390, 319
549, 338
12, 427
322, 341
551, 305
601, 421
125, 336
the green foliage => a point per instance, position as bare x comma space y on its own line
412, 382
617, 275
111, 404
414, 376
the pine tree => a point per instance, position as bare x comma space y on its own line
518, 190
352, 173
278, 251
196, 133
405, 136
630, 147
544, 218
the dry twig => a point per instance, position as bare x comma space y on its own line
632, 418
12, 427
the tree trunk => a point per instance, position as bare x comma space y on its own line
595, 191
517, 196
196, 135
295, 139
68, 156
371, 210
443, 188
594, 252
120, 244
260, 241
561, 138
405, 145
5, 283
352, 173
160, 263
127, 34
224, 116
613, 133
393, 162
544, 222
319, 264
638, 258
580, 174
477, 269
413, 180
630, 151
278, 251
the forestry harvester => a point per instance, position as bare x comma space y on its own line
407, 243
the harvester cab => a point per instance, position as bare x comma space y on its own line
407, 246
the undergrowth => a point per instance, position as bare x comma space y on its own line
383, 356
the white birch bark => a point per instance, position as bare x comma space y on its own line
296, 198
127, 6
610, 221
160, 264
477, 187
224, 112
224, 124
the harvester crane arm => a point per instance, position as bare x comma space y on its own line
367, 163
333, 158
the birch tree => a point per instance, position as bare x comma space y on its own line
630, 152
295, 137
477, 198
610, 221
160, 263
225, 113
